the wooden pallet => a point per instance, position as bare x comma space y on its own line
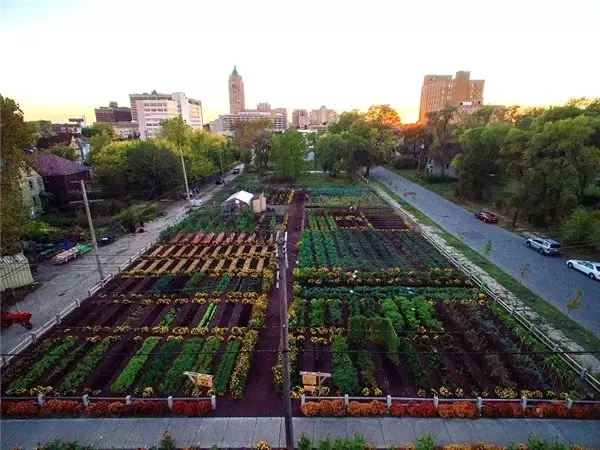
152, 266
233, 264
252, 250
140, 266
180, 251
264, 250
216, 252
193, 250
157, 250
206, 265
228, 250
164, 268
203, 252
247, 264
169, 250
261, 263
192, 266
220, 264
240, 250
178, 267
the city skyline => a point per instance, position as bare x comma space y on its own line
373, 58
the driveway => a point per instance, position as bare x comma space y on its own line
62, 285
548, 277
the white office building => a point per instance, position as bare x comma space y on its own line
149, 110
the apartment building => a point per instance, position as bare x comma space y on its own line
441, 90
224, 123
149, 110
300, 118
113, 113
322, 116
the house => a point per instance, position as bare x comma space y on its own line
435, 168
32, 186
60, 175
67, 140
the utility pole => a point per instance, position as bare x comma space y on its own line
92, 232
221, 161
287, 395
187, 187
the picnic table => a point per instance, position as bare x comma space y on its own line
65, 256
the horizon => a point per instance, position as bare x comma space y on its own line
529, 64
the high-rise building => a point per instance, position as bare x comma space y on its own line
300, 118
441, 90
113, 113
322, 117
263, 106
150, 110
237, 101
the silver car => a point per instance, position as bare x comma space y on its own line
544, 245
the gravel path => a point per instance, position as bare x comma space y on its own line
63, 284
548, 277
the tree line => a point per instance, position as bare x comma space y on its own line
546, 160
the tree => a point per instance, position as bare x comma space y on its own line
175, 130
261, 147
289, 151
444, 144
329, 153
64, 151
582, 227
15, 134
346, 119
413, 135
110, 167
384, 115
476, 165
245, 132
199, 161
153, 167
42, 128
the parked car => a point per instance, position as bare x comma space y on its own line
236, 170
590, 268
544, 245
220, 180
486, 216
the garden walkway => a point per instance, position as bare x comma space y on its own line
238, 432
62, 285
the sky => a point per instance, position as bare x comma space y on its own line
62, 58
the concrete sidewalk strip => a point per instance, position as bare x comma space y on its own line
268, 429
185, 430
111, 433
239, 433
397, 431
30, 433
582, 432
147, 432
211, 432
370, 430
330, 428
245, 432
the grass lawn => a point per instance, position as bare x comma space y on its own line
553, 315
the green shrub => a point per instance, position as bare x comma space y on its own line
225, 369
193, 283
344, 374
38, 369
389, 310
152, 375
317, 316
126, 378
184, 362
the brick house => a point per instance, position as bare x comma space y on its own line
60, 176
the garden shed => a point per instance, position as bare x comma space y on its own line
242, 202
14, 272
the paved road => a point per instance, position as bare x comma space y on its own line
61, 285
245, 432
548, 277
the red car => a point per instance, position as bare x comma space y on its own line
486, 216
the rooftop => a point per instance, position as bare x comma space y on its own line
48, 164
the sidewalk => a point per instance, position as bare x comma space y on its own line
238, 432
62, 285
